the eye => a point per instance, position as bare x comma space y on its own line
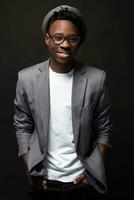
73, 38
58, 38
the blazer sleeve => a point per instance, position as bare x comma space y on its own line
102, 116
102, 125
23, 121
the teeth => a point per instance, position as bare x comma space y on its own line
64, 54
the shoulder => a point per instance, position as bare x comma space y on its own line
91, 72
32, 71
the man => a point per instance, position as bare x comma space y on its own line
62, 115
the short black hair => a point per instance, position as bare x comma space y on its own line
65, 14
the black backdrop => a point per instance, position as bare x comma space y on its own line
108, 46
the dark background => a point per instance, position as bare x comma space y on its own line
108, 46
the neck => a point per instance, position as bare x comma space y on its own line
61, 68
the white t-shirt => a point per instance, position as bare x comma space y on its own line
61, 162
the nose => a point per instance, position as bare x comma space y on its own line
65, 44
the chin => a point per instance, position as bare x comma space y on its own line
64, 61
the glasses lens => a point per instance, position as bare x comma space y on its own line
58, 39
73, 38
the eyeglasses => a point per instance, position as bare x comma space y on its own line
59, 39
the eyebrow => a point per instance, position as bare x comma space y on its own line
66, 35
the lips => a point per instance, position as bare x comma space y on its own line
63, 54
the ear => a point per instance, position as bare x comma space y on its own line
46, 39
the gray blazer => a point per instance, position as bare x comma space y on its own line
91, 118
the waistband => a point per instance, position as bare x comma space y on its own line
58, 184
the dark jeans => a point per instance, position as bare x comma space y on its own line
59, 191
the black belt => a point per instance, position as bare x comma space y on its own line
58, 184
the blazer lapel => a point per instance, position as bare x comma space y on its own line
78, 94
44, 102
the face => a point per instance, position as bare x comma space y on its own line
62, 53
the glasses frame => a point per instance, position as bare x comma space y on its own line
67, 38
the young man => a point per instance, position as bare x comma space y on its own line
62, 115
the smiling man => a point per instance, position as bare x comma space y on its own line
62, 116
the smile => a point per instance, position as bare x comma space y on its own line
63, 54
